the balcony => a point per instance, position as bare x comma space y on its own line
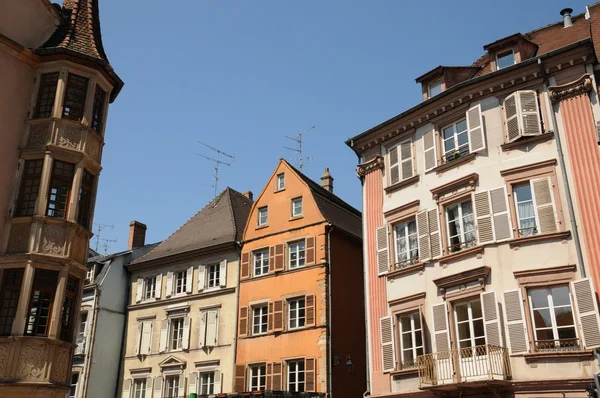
482, 363
80, 347
268, 394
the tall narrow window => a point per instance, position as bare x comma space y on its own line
75, 93
85, 199
261, 262
46, 95
552, 316
469, 327
73, 387
407, 248
149, 288
280, 181
172, 386
41, 302
296, 207
98, 109
297, 254
456, 141
81, 331
461, 226
258, 378
11, 290
60, 189
176, 333
525, 209
295, 376
435, 88
505, 59
139, 388
207, 383
259, 319
30, 187
263, 214
214, 276
411, 339
180, 281
66, 324
296, 313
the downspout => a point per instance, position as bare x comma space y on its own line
597, 374
124, 334
563, 168
329, 314
90, 355
237, 312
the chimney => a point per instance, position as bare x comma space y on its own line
327, 180
137, 234
248, 194
566, 14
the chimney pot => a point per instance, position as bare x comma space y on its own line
566, 14
327, 180
137, 234
248, 194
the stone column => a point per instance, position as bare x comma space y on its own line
74, 199
42, 199
18, 327
60, 94
58, 303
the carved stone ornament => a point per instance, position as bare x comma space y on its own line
38, 135
374, 164
60, 366
581, 86
69, 136
93, 148
53, 239
19, 238
32, 362
4, 363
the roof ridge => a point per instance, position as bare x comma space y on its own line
553, 24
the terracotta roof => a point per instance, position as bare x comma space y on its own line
221, 221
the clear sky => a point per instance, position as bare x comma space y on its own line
241, 75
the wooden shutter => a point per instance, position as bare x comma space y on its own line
269, 369
217, 382
394, 165
149, 387
383, 261
185, 340
310, 250
529, 113
517, 337
406, 160
169, 289
223, 273
310, 371
441, 338
164, 327
139, 289
388, 354
158, 291
501, 214
245, 272
240, 378
277, 376
511, 118
158, 382
182, 386
278, 316
188, 280
587, 310
138, 338
243, 328
203, 320
146, 337
423, 235
270, 317
126, 388
429, 152
544, 204
201, 278
475, 129
193, 382
272, 259
310, 310
435, 237
279, 257
483, 215
491, 319
212, 326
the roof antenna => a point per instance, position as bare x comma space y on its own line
105, 242
298, 137
217, 162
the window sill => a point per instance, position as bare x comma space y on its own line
402, 184
475, 250
539, 238
538, 138
402, 372
293, 218
261, 226
455, 163
558, 355
406, 270
280, 190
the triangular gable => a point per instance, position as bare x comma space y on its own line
170, 361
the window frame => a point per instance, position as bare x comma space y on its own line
300, 252
413, 333
76, 385
263, 308
210, 386
15, 286
46, 92
67, 182
299, 363
134, 385
280, 182
294, 201
503, 52
81, 327
177, 279
68, 309
458, 149
50, 290
171, 333
149, 282
432, 84
29, 182
470, 321
213, 273
554, 326
262, 374
264, 262
77, 98
409, 260
448, 243
98, 105
516, 205
84, 208
264, 210
297, 308
175, 387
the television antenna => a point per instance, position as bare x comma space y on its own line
105, 242
217, 162
298, 138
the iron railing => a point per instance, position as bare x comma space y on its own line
483, 362
407, 263
557, 345
267, 394
456, 154
462, 245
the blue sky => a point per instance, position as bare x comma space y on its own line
241, 75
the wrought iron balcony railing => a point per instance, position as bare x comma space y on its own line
268, 394
557, 345
484, 362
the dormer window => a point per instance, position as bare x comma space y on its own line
505, 59
435, 88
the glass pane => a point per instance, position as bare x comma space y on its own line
542, 318
462, 313
478, 328
506, 59
420, 351
461, 126
464, 332
448, 145
408, 356
417, 319
466, 343
452, 212
539, 298
449, 132
405, 323
406, 340
544, 334
476, 309
560, 296
523, 192
454, 228
564, 316
567, 333
418, 339
467, 208
463, 139
480, 341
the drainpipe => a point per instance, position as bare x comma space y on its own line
329, 314
563, 168
597, 374
90, 347
124, 334
237, 312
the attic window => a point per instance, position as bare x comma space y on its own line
505, 59
435, 88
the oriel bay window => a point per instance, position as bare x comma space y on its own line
68, 309
74, 100
41, 302
461, 226
98, 109
30, 186
407, 248
60, 189
46, 95
11, 290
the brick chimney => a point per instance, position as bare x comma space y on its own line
137, 234
248, 194
327, 180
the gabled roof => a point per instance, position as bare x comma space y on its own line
220, 221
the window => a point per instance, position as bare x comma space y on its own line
469, 327
407, 248
505, 59
280, 181
89, 275
139, 388
295, 376
46, 95
525, 209
73, 387
75, 93
150, 288
68, 310
82, 325
456, 140
435, 88
40, 303
172, 386
552, 316
60, 189
85, 199
259, 319
261, 262
180, 281
98, 109
144, 337
176, 337
30, 186
209, 328
411, 339
11, 290
258, 378
296, 314
214, 275
297, 254
296, 207
207, 383
461, 226
263, 214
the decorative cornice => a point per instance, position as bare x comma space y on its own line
374, 164
581, 86
477, 274
467, 181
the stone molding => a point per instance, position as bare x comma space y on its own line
581, 86
376, 163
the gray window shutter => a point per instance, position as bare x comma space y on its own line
188, 280
517, 336
158, 290
223, 273
217, 382
148, 387
138, 338
441, 338
429, 151
383, 262
394, 166
158, 382
501, 214
139, 289
406, 159
169, 288
529, 113
146, 337
212, 327
512, 118
475, 129
491, 318
423, 235
587, 309
483, 215
164, 327
201, 278
126, 388
202, 342
185, 340
544, 204
182, 385
193, 384
435, 237
388, 354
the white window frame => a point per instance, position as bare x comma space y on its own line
261, 262
462, 234
551, 307
280, 181
298, 248
82, 327
89, 275
297, 207
256, 372
176, 387
413, 333
512, 51
294, 307
149, 282
213, 276
210, 385
470, 321
404, 225
171, 333
432, 84
177, 279
134, 386
263, 212
297, 364
76, 384
454, 138
263, 313
535, 227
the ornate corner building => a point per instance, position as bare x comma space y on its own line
57, 84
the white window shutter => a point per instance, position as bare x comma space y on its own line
383, 262
512, 118
223, 273
475, 129
435, 237
182, 392
164, 328
158, 291
587, 309
139, 289
158, 382
441, 335
146, 337
212, 326
544, 205
126, 388
388, 354
202, 342
483, 216
501, 214
517, 336
188, 280
423, 236
429, 151
491, 318
217, 382
201, 278
406, 159
148, 387
529, 113
185, 340
193, 382
169, 288
138, 338
394, 165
